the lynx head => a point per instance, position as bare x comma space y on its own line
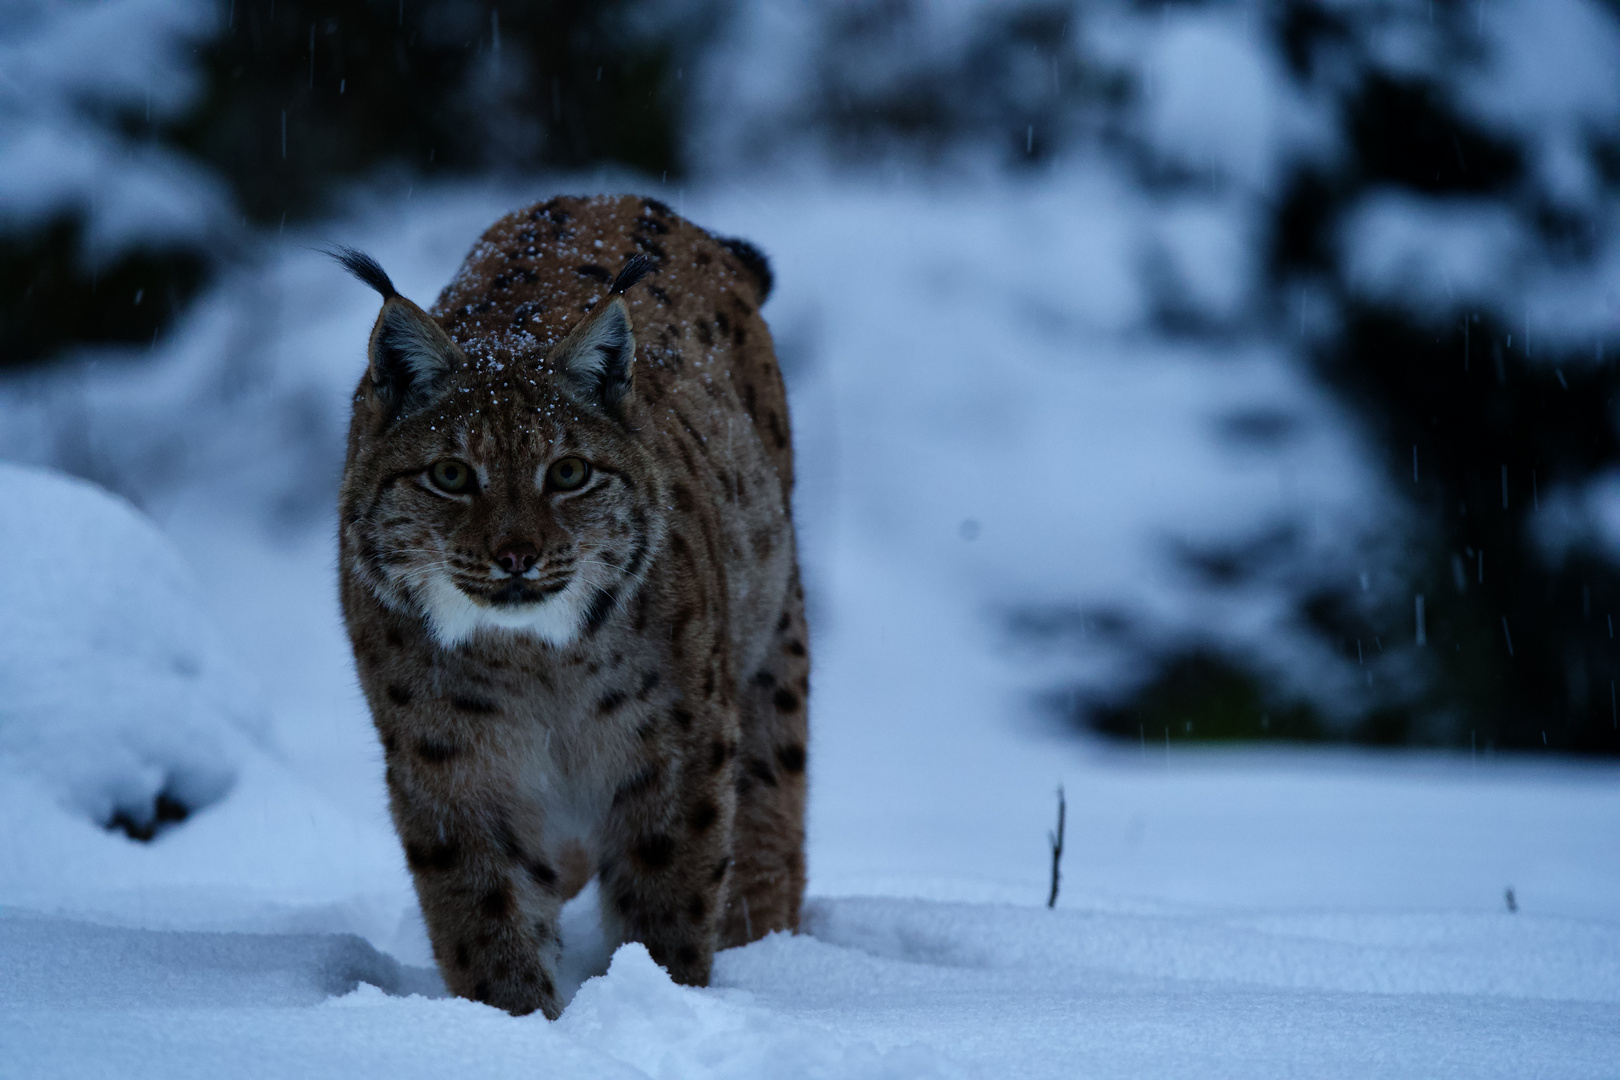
502, 492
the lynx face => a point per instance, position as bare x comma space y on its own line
488, 523
511, 495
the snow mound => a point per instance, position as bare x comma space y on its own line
115, 694
638, 1015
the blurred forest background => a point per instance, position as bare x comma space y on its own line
1414, 202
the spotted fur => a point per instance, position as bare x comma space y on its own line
628, 697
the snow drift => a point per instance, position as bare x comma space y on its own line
115, 694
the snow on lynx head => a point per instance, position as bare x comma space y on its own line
500, 486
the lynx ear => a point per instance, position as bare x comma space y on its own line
411, 357
410, 353
595, 357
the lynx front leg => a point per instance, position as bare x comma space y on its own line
767, 886
671, 842
490, 905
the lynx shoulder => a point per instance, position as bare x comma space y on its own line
569, 577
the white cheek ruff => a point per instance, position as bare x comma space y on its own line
453, 616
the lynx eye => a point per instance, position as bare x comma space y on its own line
451, 476
568, 474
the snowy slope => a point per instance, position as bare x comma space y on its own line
906, 987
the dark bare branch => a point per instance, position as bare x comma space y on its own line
1056, 840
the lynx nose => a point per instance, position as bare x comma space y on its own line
517, 558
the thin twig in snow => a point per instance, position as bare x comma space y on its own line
1056, 840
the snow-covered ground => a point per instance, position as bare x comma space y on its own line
982, 421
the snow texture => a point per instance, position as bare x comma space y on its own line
1425, 254
116, 689
69, 75
1212, 98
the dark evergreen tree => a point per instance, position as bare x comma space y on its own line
301, 98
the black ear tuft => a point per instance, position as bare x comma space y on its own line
635, 268
755, 262
364, 267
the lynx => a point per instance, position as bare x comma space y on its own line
570, 581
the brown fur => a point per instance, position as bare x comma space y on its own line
663, 741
